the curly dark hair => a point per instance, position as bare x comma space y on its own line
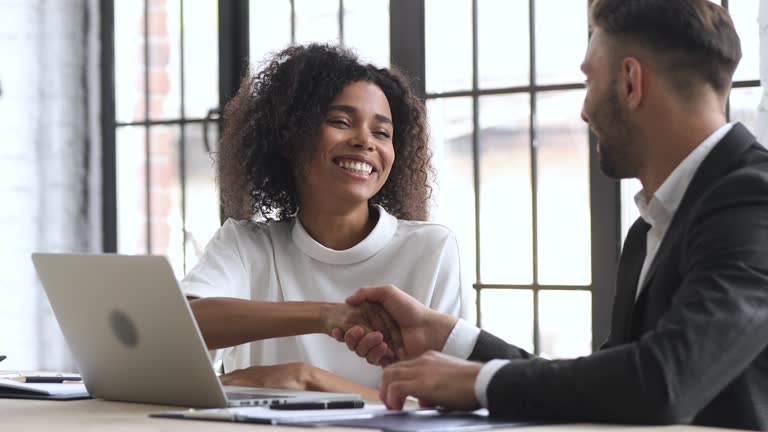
279, 110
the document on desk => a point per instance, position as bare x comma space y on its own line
265, 415
54, 391
372, 416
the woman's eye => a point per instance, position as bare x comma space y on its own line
383, 134
339, 122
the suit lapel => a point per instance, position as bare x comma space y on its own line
712, 168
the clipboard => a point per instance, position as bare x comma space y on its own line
46, 391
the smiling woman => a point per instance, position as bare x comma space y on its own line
285, 104
325, 171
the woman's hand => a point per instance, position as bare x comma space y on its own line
420, 329
289, 376
296, 376
369, 318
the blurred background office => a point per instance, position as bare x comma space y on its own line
109, 123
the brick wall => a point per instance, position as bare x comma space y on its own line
46, 125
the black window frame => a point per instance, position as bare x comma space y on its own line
407, 51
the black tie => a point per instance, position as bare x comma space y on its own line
630, 266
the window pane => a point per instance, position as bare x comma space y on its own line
558, 58
565, 323
317, 21
451, 136
505, 190
503, 41
744, 15
562, 139
508, 314
201, 57
366, 29
743, 106
131, 173
269, 27
448, 43
165, 201
165, 193
202, 198
164, 60
129, 60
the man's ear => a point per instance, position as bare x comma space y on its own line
632, 79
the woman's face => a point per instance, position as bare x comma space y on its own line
353, 152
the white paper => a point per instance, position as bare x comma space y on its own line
267, 415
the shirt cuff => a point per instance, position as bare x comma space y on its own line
462, 339
484, 378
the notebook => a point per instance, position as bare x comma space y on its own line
19, 390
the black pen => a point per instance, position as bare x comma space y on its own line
46, 379
2, 357
319, 405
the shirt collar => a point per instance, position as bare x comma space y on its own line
664, 203
376, 240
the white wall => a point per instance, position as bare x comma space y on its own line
45, 131
762, 114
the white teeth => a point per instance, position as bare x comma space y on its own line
358, 167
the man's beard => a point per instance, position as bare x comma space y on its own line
615, 143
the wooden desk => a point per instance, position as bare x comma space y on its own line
99, 415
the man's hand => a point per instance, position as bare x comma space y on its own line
367, 318
421, 329
289, 376
436, 379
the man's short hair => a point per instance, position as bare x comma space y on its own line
694, 40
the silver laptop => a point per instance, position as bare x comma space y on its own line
133, 336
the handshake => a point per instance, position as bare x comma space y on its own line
388, 327
384, 325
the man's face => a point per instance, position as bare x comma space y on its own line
608, 118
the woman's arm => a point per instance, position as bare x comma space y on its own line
226, 322
296, 376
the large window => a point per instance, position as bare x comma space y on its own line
362, 25
539, 226
166, 73
504, 98
166, 82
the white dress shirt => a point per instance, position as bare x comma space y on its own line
656, 211
661, 207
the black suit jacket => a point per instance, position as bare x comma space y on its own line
693, 348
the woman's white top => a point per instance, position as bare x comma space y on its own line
280, 261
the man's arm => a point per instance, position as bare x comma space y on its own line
489, 347
713, 331
422, 329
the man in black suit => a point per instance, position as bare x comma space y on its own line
689, 337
